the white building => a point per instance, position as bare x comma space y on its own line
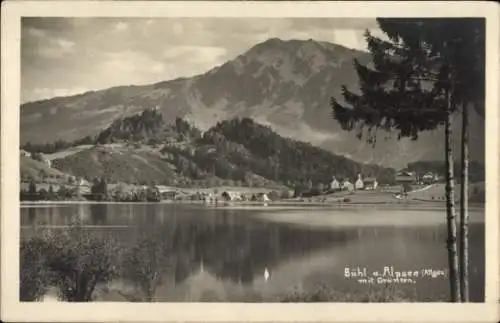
334, 185
347, 186
45, 160
359, 183
428, 178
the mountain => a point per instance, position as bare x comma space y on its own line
144, 148
283, 84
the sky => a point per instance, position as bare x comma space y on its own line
65, 56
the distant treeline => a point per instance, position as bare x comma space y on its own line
62, 194
59, 145
99, 192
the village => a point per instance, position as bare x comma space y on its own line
363, 189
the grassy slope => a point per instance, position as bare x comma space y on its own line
67, 152
118, 164
437, 192
31, 168
433, 193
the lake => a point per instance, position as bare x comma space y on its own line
260, 254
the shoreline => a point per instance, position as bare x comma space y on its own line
250, 204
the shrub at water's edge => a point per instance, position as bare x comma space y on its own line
73, 260
34, 275
76, 261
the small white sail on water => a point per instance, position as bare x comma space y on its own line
266, 274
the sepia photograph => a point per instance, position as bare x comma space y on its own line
248, 160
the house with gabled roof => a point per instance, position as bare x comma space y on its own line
371, 183
347, 185
359, 184
403, 177
334, 184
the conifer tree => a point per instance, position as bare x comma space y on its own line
425, 72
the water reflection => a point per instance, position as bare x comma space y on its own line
32, 215
98, 214
238, 255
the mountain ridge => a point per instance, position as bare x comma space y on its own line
283, 84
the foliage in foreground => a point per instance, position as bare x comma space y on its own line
147, 262
34, 275
326, 294
73, 260
76, 260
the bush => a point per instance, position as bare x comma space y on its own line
34, 277
285, 194
311, 193
146, 262
323, 293
273, 196
75, 261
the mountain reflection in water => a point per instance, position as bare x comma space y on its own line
222, 254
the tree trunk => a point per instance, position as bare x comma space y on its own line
464, 205
450, 210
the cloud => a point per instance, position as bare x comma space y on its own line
196, 54
65, 44
56, 48
350, 38
37, 33
157, 67
131, 61
330, 24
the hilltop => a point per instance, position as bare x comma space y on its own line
145, 148
286, 85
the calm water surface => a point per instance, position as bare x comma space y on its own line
226, 251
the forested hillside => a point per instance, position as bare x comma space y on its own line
145, 148
250, 145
